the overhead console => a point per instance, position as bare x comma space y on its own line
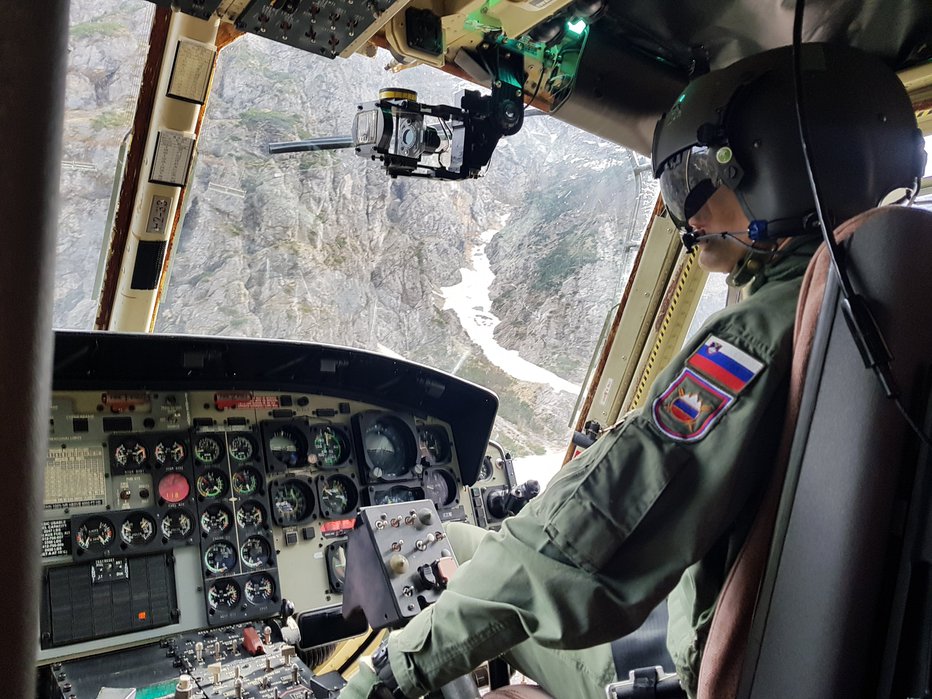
195, 483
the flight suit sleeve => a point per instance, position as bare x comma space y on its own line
585, 562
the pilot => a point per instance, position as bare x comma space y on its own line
659, 506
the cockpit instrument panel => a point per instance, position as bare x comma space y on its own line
196, 484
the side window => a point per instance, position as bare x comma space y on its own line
107, 43
714, 298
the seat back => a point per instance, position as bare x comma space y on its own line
827, 511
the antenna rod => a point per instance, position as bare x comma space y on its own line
323, 143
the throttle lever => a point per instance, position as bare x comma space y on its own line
503, 503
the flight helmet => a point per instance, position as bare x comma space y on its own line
737, 127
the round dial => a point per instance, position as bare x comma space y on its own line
388, 448
207, 450
485, 469
255, 552
397, 494
292, 502
216, 519
250, 514
246, 481
220, 557
177, 524
95, 534
288, 447
174, 487
130, 453
328, 447
336, 566
138, 529
439, 487
223, 594
260, 589
169, 453
338, 495
242, 447
211, 484
437, 444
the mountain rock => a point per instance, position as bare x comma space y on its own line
325, 247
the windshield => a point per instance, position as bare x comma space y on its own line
107, 46
505, 280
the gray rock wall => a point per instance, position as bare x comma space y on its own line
325, 247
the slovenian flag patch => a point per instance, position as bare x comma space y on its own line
725, 364
690, 407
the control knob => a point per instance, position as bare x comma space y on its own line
503, 503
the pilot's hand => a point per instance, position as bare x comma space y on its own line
362, 683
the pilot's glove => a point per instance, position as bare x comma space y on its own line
374, 680
362, 684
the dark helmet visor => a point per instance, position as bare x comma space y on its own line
689, 178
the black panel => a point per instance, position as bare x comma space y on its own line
328, 625
118, 424
324, 27
76, 608
147, 362
148, 266
198, 8
424, 31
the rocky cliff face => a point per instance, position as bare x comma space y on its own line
325, 247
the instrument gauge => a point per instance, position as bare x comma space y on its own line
95, 534
329, 447
242, 448
216, 519
292, 502
138, 529
486, 470
388, 448
177, 525
130, 453
220, 557
439, 486
255, 552
250, 514
169, 453
336, 565
338, 495
288, 447
260, 589
223, 594
174, 488
397, 494
211, 484
207, 450
246, 481
437, 443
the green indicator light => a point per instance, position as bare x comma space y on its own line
577, 26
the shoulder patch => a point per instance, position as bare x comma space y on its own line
690, 407
724, 364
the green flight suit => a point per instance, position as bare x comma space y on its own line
640, 516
